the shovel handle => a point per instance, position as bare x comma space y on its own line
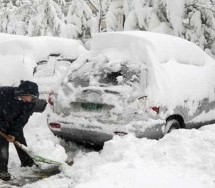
4, 135
17, 144
33, 156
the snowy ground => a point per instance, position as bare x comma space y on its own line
183, 158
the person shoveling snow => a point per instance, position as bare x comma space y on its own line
16, 106
38, 172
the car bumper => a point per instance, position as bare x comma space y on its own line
92, 132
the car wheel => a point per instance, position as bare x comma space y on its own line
171, 125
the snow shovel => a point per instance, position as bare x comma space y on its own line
34, 156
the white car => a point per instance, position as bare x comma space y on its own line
138, 83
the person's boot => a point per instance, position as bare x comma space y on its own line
5, 176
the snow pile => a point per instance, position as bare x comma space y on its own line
178, 160
183, 158
41, 141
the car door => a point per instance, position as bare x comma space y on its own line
203, 114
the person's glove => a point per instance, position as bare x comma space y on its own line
11, 138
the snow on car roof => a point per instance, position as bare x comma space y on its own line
178, 70
40, 47
19, 54
163, 46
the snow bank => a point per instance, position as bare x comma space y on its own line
183, 158
178, 160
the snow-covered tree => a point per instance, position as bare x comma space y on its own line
113, 10
193, 20
7, 16
47, 19
201, 22
31, 17
80, 21
140, 15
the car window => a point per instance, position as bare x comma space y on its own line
125, 75
99, 74
81, 77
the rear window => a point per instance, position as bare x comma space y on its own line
125, 75
99, 74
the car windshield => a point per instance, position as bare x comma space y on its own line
92, 73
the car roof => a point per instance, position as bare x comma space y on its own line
164, 47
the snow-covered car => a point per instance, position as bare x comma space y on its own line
139, 83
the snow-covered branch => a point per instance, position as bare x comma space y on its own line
204, 6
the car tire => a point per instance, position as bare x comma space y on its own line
171, 125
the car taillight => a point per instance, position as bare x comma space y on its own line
55, 125
155, 109
50, 99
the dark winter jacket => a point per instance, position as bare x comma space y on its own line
14, 114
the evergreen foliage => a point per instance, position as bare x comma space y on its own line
193, 20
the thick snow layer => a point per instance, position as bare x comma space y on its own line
183, 158
178, 70
15, 68
41, 47
19, 54
164, 47
177, 83
178, 160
